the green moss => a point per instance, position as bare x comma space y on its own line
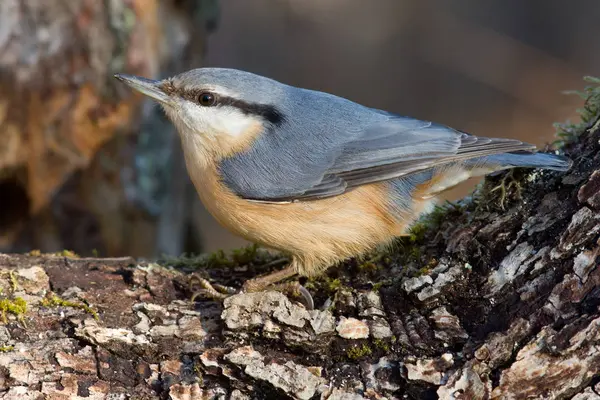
381, 344
14, 284
334, 284
54, 301
372, 261
219, 258
417, 232
6, 349
62, 253
589, 114
67, 253
357, 352
198, 372
440, 213
368, 266
325, 283
496, 195
16, 306
244, 255
184, 260
428, 223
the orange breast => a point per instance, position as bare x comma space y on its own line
318, 232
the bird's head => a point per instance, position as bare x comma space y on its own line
220, 109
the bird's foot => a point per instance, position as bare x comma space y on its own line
507, 183
211, 291
291, 289
218, 292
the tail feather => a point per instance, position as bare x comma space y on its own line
431, 183
525, 160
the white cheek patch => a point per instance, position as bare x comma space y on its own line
186, 117
216, 121
230, 121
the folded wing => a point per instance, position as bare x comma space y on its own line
397, 147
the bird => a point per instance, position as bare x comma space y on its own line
312, 174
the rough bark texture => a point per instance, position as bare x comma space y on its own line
70, 173
479, 303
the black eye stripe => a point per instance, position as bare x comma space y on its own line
268, 112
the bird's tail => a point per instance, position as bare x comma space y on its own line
524, 159
494, 163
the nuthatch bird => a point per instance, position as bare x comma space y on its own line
315, 175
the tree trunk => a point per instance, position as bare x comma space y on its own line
72, 172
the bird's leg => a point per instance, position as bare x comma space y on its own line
260, 283
221, 292
209, 290
270, 281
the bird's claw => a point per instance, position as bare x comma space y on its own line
297, 291
220, 292
208, 290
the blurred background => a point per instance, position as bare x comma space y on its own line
87, 165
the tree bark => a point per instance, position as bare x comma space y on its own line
480, 302
70, 173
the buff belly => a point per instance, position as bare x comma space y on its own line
317, 233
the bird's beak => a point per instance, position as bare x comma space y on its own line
148, 87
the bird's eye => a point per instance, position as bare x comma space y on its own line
206, 99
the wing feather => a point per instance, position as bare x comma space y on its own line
399, 147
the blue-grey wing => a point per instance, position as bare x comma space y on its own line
375, 156
326, 158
